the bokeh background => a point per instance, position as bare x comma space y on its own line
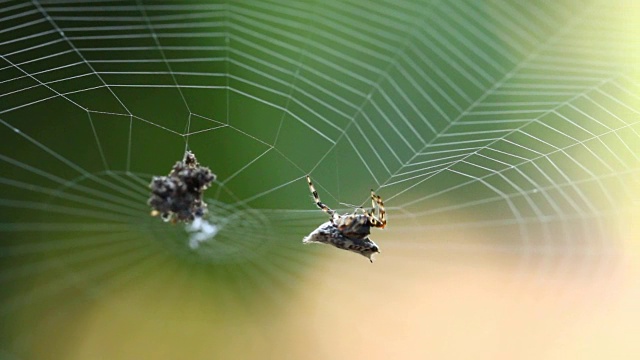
504, 138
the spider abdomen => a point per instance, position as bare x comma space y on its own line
328, 233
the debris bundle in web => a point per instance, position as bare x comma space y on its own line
178, 196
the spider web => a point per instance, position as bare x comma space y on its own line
516, 122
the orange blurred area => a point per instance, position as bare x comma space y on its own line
410, 304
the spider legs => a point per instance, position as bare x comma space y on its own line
376, 216
319, 203
376, 202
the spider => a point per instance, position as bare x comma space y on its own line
349, 231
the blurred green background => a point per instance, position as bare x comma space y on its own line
504, 138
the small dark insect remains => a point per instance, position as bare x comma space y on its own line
349, 231
178, 196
